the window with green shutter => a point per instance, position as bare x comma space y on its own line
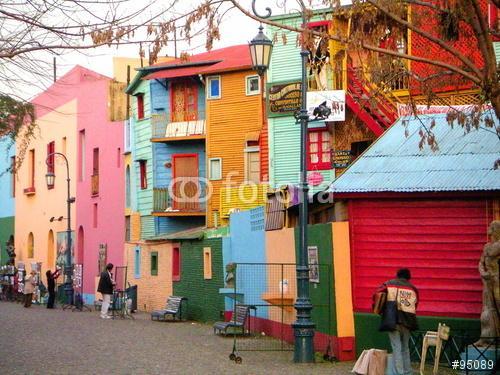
154, 263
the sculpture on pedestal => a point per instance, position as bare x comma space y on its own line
489, 270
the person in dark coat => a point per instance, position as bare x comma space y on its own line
51, 287
399, 318
105, 287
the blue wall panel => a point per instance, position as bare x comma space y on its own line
7, 150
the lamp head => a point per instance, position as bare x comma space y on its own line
260, 51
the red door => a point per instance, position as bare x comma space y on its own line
186, 185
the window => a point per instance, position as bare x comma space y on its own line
81, 145
95, 173
253, 85
127, 228
51, 148
137, 262
127, 187
176, 264
449, 25
13, 176
95, 216
252, 164
319, 150
213, 87
215, 169
140, 106
63, 145
31, 246
207, 263
95, 162
143, 174
184, 101
31, 173
154, 263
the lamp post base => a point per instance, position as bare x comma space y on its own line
68, 292
304, 342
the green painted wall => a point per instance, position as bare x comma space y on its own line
322, 293
368, 335
204, 301
6, 230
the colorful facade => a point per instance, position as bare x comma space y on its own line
7, 190
99, 185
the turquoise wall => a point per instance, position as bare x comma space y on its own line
284, 132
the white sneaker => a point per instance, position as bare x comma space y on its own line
105, 317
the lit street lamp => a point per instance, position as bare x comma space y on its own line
68, 269
260, 51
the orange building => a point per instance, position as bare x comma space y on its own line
234, 145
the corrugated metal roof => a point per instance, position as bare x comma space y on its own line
394, 163
188, 234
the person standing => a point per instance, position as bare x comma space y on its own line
51, 287
29, 288
399, 318
105, 287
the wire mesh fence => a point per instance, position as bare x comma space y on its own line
263, 307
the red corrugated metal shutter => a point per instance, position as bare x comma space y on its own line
440, 241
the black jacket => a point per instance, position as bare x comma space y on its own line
105, 284
401, 305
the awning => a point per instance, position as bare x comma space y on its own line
188, 234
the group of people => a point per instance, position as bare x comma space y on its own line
105, 287
30, 282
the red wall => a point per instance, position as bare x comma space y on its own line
439, 240
429, 21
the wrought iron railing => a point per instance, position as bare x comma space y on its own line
183, 195
162, 125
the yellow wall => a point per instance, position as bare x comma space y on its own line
342, 276
228, 121
33, 212
152, 291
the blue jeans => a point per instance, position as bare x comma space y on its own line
401, 350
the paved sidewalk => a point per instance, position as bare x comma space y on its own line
41, 341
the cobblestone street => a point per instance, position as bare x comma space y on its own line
40, 341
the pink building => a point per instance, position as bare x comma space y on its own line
72, 118
100, 227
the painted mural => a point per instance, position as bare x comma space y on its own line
62, 247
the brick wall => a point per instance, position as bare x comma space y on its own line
204, 301
152, 290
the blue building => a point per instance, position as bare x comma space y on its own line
7, 192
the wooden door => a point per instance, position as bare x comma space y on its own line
186, 186
253, 167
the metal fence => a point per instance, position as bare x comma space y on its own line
268, 291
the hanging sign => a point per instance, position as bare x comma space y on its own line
341, 158
326, 105
283, 99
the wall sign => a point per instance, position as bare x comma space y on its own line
341, 158
283, 99
312, 259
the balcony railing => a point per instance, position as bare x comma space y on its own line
184, 196
94, 185
162, 128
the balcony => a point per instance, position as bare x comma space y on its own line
94, 185
185, 196
164, 130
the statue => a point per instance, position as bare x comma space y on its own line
489, 270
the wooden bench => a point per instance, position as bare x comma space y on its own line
237, 322
173, 308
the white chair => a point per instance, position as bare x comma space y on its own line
434, 338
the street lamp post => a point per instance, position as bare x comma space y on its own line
50, 179
303, 326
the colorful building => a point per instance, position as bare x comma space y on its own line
72, 116
7, 190
425, 210
99, 184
